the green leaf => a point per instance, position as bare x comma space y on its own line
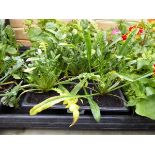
124, 48
15, 76
132, 80
67, 45
95, 109
61, 90
124, 77
10, 97
146, 107
50, 26
114, 42
150, 91
144, 76
141, 63
28, 22
76, 89
34, 33
88, 46
11, 50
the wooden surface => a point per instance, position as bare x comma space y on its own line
19, 28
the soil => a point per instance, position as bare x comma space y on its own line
105, 101
4, 88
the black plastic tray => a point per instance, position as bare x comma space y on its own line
107, 103
59, 118
108, 122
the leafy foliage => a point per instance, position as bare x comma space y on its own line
8, 50
42, 72
78, 53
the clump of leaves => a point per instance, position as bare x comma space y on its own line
70, 100
8, 50
72, 41
139, 61
63, 53
43, 72
10, 98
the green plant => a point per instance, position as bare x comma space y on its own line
42, 71
9, 60
72, 41
109, 59
140, 94
78, 53
70, 99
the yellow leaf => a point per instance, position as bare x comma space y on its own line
71, 104
70, 101
75, 117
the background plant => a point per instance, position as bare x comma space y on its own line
9, 60
140, 60
69, 40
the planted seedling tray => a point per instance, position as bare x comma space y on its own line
60, 119
106, 102
114, 116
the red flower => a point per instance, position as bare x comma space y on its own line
141, 30
132, 27
124, 36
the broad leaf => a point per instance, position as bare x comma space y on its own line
146, 107
150, 91
11, 50
141, 63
